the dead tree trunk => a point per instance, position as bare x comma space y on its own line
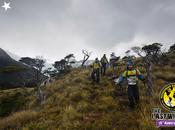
40, 96
86, 56
84, 60
149, 78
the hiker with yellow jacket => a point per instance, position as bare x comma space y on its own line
132, 75
96, 71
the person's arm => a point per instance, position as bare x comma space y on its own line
100, 64
107, 60
101, 60
122, 77
139, 75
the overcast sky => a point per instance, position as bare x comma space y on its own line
54, 28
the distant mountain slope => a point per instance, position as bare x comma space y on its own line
14, 73
13, 56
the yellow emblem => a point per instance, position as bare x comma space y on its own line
167, 97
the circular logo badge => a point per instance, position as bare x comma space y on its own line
167, 97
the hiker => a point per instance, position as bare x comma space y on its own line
132, 75
104, 62
113, 64
96, 71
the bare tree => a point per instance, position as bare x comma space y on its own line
150, 55
86, 56
40, 96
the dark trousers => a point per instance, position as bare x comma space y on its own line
96, 75
133, 95
103, 68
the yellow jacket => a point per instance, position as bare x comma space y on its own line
96, 65
132, 76
134, 72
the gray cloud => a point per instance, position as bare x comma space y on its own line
58, 27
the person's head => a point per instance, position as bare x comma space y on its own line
113, 54
104, 55
130, 66
96, 59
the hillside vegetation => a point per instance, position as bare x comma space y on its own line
74, 103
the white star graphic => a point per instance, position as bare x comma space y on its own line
6, 6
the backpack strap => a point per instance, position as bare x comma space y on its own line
137, 73
127, 73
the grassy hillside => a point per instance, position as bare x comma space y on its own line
74, 103
12, 100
